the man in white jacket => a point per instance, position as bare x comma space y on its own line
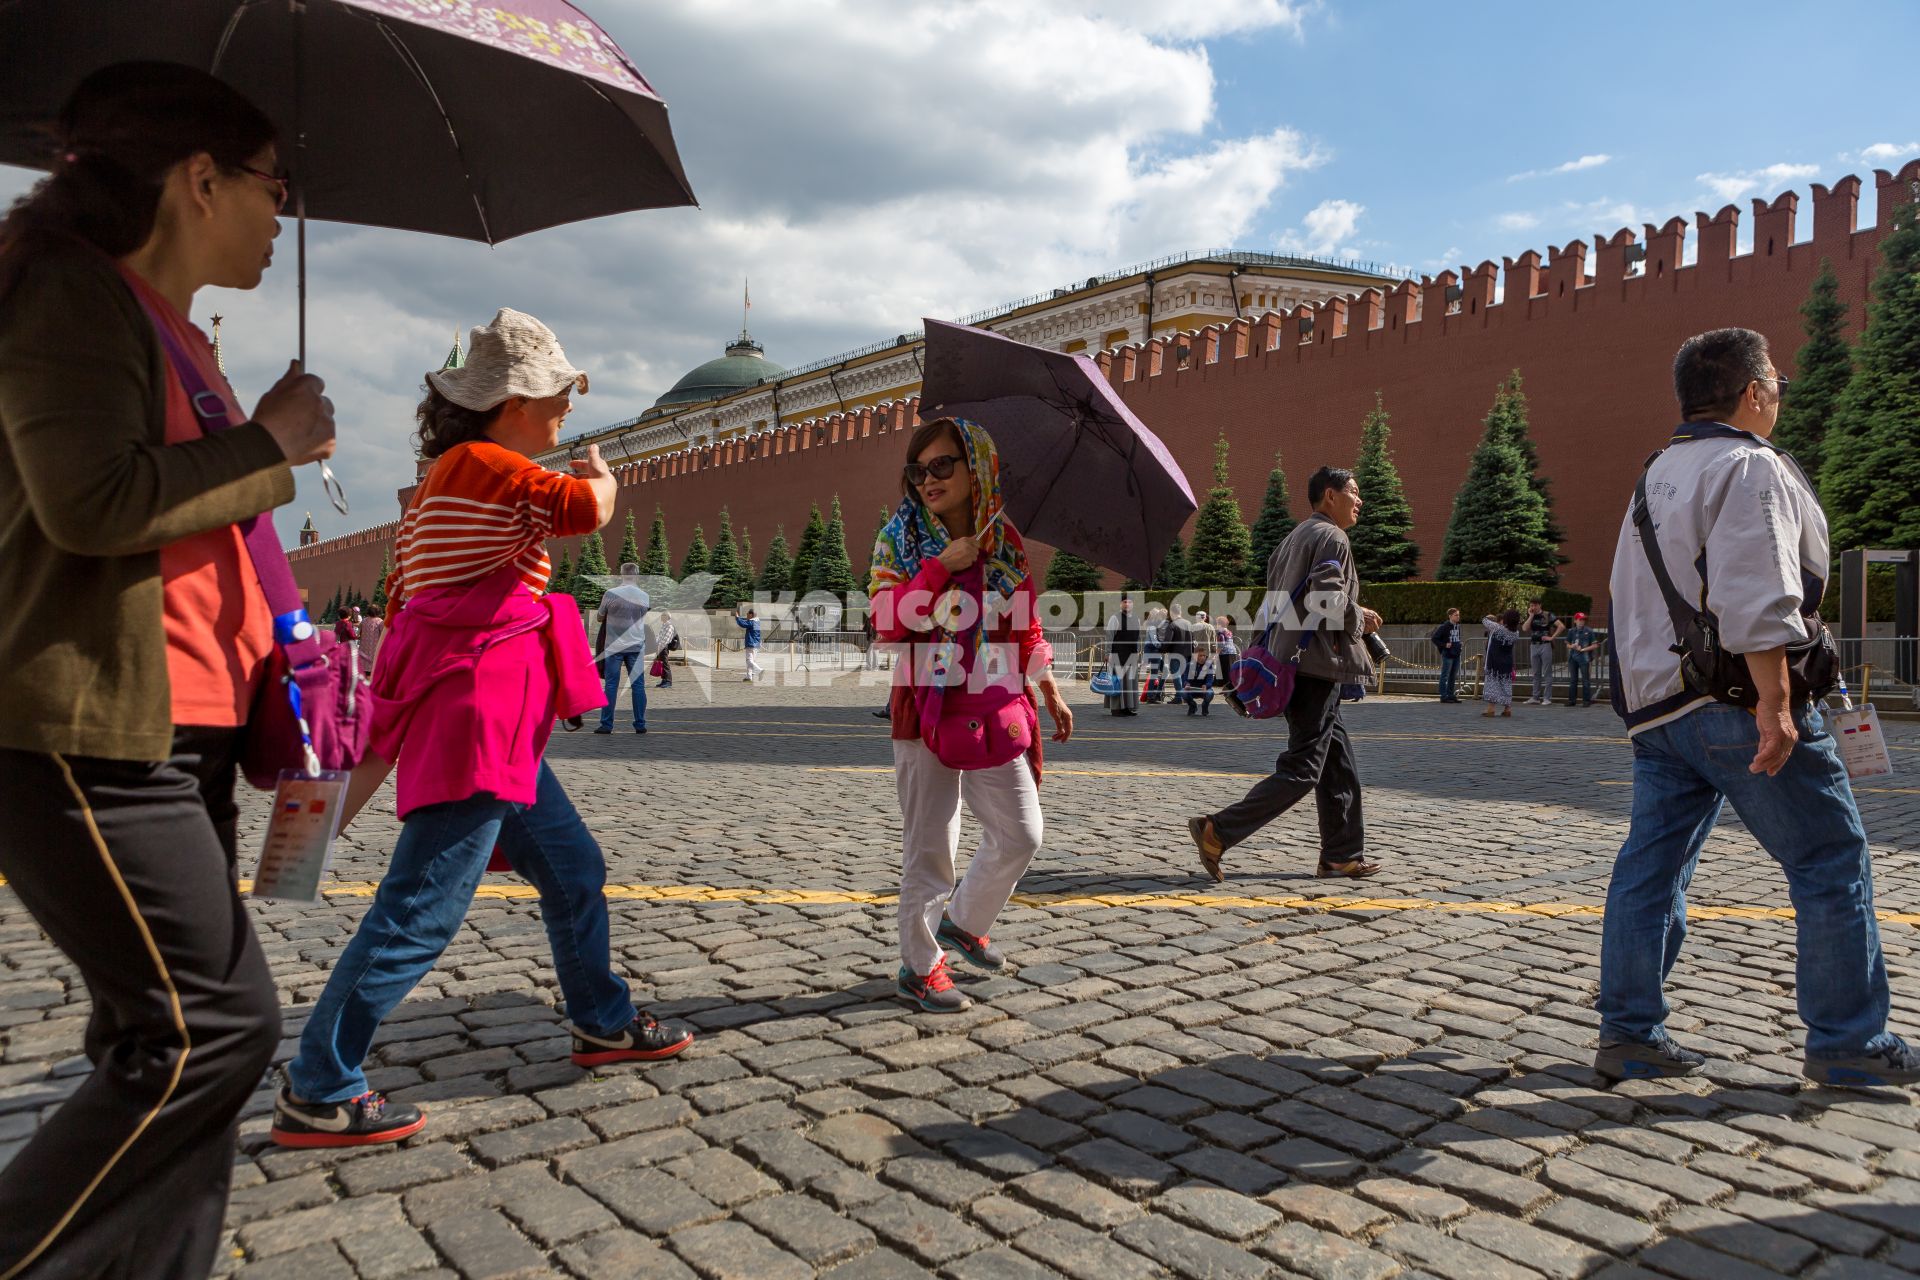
1741, 533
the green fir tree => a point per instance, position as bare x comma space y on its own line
1821, 372
659, 559
332, 611
630, 542
809, 544
1383, 545
380, 587
591, 571
776, 575
1172, 573
1275, 523
831, 570
1498, 528
560, 579
723, 562
695, 561
1221, 543
1870, 482
1510, 405
1068, 572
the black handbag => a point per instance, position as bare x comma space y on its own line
1706, 665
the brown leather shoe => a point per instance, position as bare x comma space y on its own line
1207, 841
1358, 868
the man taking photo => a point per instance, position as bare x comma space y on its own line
1741, 536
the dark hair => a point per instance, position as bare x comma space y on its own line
1324, 479
1713, 369
116, 138
1453, 608
1537, 600
1510, 619
925, 434
444, 424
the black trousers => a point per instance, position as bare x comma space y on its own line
129, 869
1318, 760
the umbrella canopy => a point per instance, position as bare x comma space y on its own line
1079, 470
481, 122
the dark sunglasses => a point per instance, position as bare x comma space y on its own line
282, 181
938, 468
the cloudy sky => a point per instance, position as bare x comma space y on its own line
868, 162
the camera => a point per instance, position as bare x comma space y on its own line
1376, 647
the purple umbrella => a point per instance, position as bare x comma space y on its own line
1079, 470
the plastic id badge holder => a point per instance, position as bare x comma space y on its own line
299, 843
1863, 748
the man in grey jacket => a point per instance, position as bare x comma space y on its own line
1326, 625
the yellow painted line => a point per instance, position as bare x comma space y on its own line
1872, 791
1054, 773
517, 891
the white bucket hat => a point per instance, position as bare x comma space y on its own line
516, 355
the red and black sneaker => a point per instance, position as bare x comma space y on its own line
365, 1121
977, 948
644, 1040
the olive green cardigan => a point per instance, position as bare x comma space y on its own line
89, 493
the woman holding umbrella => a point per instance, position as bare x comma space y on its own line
132, 647
950, 576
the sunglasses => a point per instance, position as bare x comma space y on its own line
282, 181
938, 468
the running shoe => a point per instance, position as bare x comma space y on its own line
643, 1040
979, 951
1655, 1060
935, 993
365, 1121
1895, 1064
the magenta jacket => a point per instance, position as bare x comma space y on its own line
469, 682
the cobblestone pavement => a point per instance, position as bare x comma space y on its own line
1276, 1076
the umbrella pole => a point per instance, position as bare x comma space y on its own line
299, 9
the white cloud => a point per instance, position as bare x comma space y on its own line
1731, 186
1448, 260
865, 162
1884, 153
1571, 166
1517, 221
1324, 229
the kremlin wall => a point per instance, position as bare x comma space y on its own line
1592, 329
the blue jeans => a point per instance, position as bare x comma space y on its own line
613, 665
1579, 678
437, 865
1804, 816
1449, 675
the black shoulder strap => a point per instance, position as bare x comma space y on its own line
1678, 609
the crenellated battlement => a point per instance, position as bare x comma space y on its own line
378, 533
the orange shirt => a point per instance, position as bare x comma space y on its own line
481, 507
218, 627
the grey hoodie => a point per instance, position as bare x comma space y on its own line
1329, 607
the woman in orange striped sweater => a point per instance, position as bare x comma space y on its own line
464, 702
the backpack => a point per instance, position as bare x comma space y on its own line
1262, 681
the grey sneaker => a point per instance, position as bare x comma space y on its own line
1658, 1059
1895, 1064
979, 951
935, 992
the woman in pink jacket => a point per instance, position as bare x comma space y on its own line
950, 577
477, 663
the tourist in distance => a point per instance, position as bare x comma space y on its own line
1229, 651
1543, 629
1313, 564
1722, 496
1203, 663
1152, 660
750, 643
1447, 643
665, 642
135, 641
1582, 643
468, 623
1176, 650
1123, 659
1503, 636
950, 585
623, 612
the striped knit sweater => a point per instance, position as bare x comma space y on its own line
483, 506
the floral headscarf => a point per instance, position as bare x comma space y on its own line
914, 533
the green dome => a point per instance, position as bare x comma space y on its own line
742, 367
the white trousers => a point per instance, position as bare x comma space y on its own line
1006, 804
754, 669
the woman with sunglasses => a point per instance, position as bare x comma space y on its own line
950, 581
130, 654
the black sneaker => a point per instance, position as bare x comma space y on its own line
644, 1040
979, 951
1895, 1064
365, 1121
1656, 1060
603, 729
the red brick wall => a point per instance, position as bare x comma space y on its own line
1594, 345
